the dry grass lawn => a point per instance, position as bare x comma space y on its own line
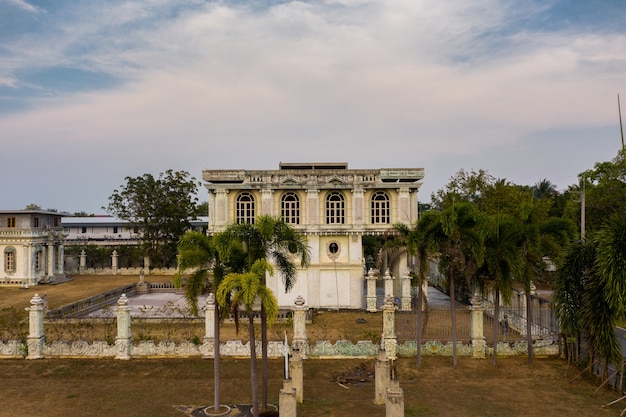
144, 387
65, 387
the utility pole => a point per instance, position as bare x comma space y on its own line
582, 212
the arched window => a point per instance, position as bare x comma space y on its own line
290, 208
335, 208
245, 208
380, 208
9, 259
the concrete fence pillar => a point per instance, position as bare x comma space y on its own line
371, 291
381, 377
287, 400
36, 338
389, 340
300, 340
114, 260
297, 374
83, 262
476, 326
209, 319
405, 295
395, 399
123, 341
388, 278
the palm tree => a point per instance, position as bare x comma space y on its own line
196, 253
590, 292
502, 262
273, 240
457, 235
243, 289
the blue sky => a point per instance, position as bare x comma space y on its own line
94, 91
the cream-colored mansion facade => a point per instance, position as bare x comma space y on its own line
332, 205
32, 244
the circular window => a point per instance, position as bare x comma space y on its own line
333, 249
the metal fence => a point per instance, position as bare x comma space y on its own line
511, 325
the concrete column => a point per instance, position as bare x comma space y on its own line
313, 207
404, 206
405, 294
36, 337
287, 400
114, 257
476, 326
267, 202
146, 263
388, 284
389, 340
381, 377
358, 206
395, 399
300, 340
297, 375
123, 341
50, 264
371, 291
83, 262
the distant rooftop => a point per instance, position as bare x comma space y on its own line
313, 165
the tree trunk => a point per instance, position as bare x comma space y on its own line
264, 364
216, 360
496, 325
453, 313
419, 323
254, 377
529, 324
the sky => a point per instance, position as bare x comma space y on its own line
94, 91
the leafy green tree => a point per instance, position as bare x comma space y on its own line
33, 207
159, 208
468, 187
238, 289
269, 239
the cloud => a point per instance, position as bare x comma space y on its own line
23, 5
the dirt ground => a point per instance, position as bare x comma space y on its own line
65, 387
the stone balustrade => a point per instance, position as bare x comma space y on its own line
125, 348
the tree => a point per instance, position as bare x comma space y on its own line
238, 289
33, 207
269, 239
502, 263
590, 292
457, 235
159, 208
197, 253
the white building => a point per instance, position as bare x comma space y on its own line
109, 231
332, 205
32, 244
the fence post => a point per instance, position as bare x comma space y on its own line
123, 340
36, 337
287, 399
381, 377
388, 278
406, 292
395, 399
296, 373
209, 322
300, 341
114, 257
389, 341
371, 291
476, 326
83, 262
